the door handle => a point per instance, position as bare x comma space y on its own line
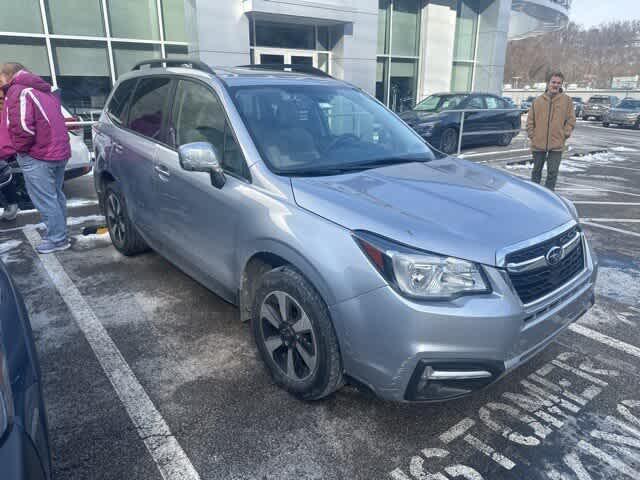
162, 170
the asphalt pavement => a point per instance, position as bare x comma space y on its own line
148, 375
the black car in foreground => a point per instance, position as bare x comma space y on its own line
437, 119
24, 441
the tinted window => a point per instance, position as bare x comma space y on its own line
199, 117
440, 102
599, 100
476, 102
116, 108
630, 104
494, 103
148, 106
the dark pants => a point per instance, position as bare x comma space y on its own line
9, 194
553, 166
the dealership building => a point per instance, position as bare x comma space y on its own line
399, 50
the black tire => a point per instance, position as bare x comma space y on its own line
605, 124
318, 341
585, 117
637, 125
449, 141
123, 233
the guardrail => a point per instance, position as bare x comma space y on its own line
463, 112
85, 125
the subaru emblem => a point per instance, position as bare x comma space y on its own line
553, 256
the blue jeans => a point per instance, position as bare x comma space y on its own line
44, 184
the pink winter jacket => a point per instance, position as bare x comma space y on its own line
36, 125
7, 150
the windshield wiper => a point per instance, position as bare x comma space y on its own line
354, 167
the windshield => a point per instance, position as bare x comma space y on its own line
436, 103
630, 104
599, 100
318, 129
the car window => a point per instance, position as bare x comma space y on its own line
630, 104
599, 100
476, 103
119, 99
198, 116
494, 103
148, 106
439, 102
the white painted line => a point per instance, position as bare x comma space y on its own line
171, 460
624, 168
598, 188
605, 339
591, 202
611, 220
482, 447
613, 229
457, 430
494, 152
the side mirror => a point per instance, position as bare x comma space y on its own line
202, 157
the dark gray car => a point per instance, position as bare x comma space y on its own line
355, 251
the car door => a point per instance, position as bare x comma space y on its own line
137, 148
497, 119
199, 221
474, 122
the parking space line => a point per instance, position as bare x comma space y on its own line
599, 189
171, 460
493, 152
613, 229
591, 202
605, 339
611, 220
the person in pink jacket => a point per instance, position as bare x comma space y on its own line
7, 179
39, 135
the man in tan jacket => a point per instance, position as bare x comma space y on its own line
550, 123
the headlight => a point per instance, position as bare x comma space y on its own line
6, 399
571, 206
422, 275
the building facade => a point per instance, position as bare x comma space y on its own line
399, 50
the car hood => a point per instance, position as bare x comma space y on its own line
412, 117
448, 206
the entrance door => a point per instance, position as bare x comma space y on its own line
289, 57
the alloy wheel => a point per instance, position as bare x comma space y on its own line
449, 141
115, 218
288, 336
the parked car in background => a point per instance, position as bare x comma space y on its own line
525, 105
625, 114
434, 121
598, 106
578, 106
509, 101
355, 250
24, 441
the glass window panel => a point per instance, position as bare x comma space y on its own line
83, 74
126, 55
117, 106
22, 16
466, 27
148, 106
405, 27
462, 77
383, 26
176, 51
323, 38
75, 17
493, 103
403, 84
173, 18
323, 62
233, 159
381, 80
198, 116
32, 53
285, 35
134, 19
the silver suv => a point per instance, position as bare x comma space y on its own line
357, 252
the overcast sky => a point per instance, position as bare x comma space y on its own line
593, 12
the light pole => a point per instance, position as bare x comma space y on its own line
515, 82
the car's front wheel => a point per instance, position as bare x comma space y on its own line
449, 141
295, 336
605, 124
123, 233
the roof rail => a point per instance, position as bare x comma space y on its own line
185, 62
286, 67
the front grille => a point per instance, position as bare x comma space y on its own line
534, 284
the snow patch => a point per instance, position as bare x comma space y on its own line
620, 285
9, 245
81, 202
71, 221
624, 149
88, 242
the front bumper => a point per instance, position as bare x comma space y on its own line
411, 351
629, 122
590, 112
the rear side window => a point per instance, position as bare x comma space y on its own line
117, 105
148, 106
494, 103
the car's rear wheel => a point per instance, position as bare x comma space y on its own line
123, 233
449, 141
605, 124
295, 336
